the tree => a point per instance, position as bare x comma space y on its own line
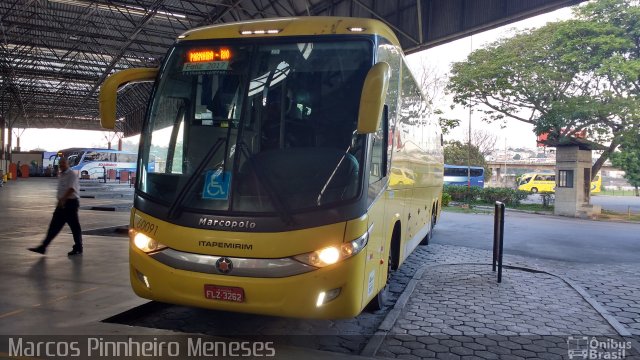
628, 159
563, 78
433, 83
457, 153
485, 141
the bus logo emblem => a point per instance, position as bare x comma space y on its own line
224, 265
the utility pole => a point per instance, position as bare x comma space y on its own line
469, 145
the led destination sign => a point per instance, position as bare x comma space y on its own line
207, 55
207, 60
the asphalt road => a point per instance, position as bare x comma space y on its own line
546, 237
620, 204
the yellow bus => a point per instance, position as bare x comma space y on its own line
264, 168
546, 182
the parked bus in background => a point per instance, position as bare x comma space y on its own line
90, 163
459, 175
274, 196
546, 182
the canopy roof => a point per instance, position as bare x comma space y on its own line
54, 54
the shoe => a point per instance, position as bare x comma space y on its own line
39, 249
74, 252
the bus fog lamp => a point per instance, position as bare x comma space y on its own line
143, 279
326, 296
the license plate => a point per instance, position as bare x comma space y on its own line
224, 293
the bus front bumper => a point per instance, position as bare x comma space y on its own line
291, 296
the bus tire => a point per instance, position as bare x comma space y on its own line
534, 190
429, 235
382, 297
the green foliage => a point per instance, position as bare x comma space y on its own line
506, 195
562, 78
462, 193
457, 153
485, 195
446, 199
628, 159
447, 124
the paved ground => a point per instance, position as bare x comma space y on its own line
458, 309
547, 237
446, 307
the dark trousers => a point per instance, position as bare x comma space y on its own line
69, 215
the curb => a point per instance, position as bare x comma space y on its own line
372, 347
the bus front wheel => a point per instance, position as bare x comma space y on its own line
534, 190
382, 297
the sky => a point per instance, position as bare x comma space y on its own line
516, 134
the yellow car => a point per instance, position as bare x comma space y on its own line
400, 176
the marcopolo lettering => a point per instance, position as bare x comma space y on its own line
231, 224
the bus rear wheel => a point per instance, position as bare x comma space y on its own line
429, 235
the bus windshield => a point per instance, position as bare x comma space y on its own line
256, 127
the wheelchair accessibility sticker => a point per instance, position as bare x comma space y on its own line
216, 185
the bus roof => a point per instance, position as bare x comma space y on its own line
462, 167
295, 26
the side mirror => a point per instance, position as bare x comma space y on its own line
374, 93
109, 91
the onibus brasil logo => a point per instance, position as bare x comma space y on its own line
592, 348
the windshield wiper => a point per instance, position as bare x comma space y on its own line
333, 174
278, 203
175, 206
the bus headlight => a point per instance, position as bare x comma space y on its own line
333, 254
146, 243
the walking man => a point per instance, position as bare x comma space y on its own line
66, 211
